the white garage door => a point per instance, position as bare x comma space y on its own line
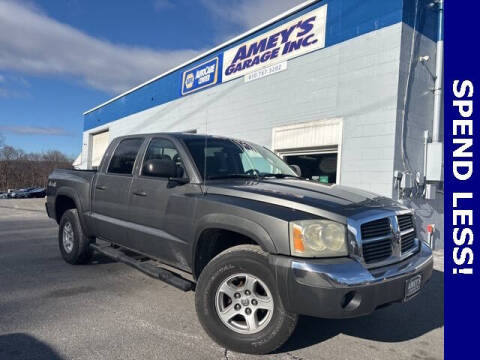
313, 134
99, 145
313, 146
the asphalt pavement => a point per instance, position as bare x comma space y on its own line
106, 310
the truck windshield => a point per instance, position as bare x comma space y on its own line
224, 158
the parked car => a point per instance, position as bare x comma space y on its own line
12, 194
22, 194
17, 194
30, 192
263, 244
37, 193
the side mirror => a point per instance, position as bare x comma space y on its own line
297, 169
164, 168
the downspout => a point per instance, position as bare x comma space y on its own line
437, 107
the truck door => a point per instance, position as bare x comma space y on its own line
162, 210
111, 192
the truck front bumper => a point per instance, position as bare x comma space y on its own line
342, 287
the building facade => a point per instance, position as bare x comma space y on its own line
342, 88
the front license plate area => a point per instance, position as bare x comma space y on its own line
412, 287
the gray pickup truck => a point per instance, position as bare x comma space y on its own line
261, 244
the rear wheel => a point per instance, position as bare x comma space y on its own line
74, 245
238, 303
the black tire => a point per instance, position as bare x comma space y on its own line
80, 252
252, 260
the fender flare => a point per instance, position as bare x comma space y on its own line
70, 193
236, 224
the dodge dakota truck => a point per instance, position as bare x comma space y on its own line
232, 221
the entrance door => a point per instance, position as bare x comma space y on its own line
112, 190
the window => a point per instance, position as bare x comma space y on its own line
163, 149
124, 156
230, 158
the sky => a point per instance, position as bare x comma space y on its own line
59, 58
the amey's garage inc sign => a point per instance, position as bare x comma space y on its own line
296, 37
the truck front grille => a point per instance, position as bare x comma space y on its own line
376, 228
408, 241
377, 250
405, 222
380, 243
377, 240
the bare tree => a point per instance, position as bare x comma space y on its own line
19, 169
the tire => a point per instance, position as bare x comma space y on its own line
229, 268
75, 250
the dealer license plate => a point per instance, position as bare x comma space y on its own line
412, 286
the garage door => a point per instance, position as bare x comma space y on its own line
314, 146
99, 145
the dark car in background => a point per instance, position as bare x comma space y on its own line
37, 193
26, 193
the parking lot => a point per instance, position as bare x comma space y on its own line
106, 310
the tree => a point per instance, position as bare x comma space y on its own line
19, 169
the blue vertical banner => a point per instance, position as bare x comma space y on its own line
462, 191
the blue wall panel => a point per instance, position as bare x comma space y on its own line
346, 19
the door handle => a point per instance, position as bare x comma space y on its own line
140, 193
100, 187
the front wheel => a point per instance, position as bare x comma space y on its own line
238, 303
74, 245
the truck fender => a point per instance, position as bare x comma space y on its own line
69, 192
237, 224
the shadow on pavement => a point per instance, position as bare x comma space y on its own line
20, 346
100, 259
398, 322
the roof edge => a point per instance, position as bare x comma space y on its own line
205, 54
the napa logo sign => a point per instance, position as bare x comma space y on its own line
201, 76
294, 38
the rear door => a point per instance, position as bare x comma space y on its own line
111, 192
162, 210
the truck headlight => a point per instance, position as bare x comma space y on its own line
318, 238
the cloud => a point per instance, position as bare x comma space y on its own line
33, 43
248, 13
161, 5
12, 86
35, 130
8, 93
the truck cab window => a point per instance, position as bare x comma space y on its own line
163, 149
124, 156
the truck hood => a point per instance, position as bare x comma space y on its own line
331, 201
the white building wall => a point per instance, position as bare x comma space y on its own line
356, 80
419, 117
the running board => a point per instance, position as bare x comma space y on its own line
154, 271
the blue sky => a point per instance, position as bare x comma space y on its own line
59, 58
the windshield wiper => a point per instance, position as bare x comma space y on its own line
278, 176
232, 176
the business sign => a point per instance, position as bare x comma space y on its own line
266, 71
294, 38
201, 76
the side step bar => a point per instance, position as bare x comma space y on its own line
154, 271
